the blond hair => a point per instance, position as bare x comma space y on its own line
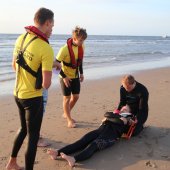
79, 33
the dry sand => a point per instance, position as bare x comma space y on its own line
150, 150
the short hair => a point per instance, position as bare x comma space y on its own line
79, 33
42, 15
128, 79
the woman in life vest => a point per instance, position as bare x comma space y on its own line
71, 74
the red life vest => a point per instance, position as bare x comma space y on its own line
37, 32
74, 64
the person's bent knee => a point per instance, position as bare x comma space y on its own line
75, 97
66, 99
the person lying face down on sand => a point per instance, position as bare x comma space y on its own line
112, 127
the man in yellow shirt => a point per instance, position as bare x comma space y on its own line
33, 49
71, 58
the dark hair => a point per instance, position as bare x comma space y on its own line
42, 15
79, 33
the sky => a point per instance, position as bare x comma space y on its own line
99, 17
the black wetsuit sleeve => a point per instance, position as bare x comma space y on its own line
58, 61
122, 98
81, 68
62, 74
143, 106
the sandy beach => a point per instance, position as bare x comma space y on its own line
150, 150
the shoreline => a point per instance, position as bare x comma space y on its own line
97, 73
150, 149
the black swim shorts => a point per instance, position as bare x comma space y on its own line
73, 89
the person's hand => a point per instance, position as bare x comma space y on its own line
104, 119
81, 77
125, 121
130, 122
66, 81
116, 111
57, 65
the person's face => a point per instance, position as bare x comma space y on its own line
78, 41
49, 25
128, 87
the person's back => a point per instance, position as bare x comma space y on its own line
37, 53
32, 53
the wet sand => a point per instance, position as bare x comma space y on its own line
150, 150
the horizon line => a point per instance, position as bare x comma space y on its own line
103, 35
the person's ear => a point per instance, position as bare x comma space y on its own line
47, 23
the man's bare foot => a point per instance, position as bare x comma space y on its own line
53, 153
65, 117
13, 166
71, 124
71, 160
73, 120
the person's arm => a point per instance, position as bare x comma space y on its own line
47, 75
57, 64
14, 63
60, 58
62, 74
47, 64
81, 68
81, 72
122, 98
143, 106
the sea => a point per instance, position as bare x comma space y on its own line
105, 56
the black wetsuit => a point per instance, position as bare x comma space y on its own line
137, 99
101, 138
31, 113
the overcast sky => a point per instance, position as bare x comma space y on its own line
106, 17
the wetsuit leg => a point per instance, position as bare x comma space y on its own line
34, 116
80, 144
87, 152
94, 146
139, 126
31, 112
105, 139
138, 129
22, 132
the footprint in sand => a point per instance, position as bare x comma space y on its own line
150, 152
3, 158
150, 164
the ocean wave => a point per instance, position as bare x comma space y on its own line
7, 78
6, 64
144, 53
6, 73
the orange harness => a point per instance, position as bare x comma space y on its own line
130, 131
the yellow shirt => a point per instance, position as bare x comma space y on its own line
63, 55
38, 52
